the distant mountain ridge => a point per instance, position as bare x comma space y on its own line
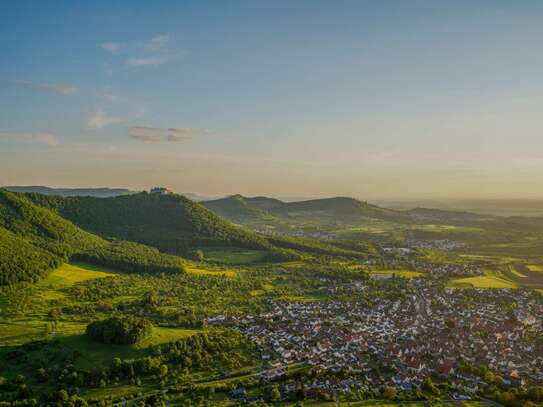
103, 192
238, 208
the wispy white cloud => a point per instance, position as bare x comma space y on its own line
112, 47
157, 43
153, 52
100, 119
160, 135
38, 138
61, 88
151, 60
107, 94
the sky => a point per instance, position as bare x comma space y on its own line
370, 99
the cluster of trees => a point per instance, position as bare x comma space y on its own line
178, 300
120, 330
131, 257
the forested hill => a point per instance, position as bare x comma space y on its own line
43, 227
237, 208
171, 223
240, 209
35, 240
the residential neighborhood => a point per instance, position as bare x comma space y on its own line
401, 340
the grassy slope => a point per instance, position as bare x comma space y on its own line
24, 324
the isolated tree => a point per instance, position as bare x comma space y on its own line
389, 392
275, 394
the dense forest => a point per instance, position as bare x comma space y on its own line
42, 227
35, 240
171, 223
131, 257
22, 261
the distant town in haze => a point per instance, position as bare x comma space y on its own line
271, 203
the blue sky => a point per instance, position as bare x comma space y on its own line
373, 99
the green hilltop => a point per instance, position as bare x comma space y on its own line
36, 239
238, 208
171, 223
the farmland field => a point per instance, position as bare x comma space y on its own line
486, 281
526, 275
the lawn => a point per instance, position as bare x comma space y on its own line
486, 281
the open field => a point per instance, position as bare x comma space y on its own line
526, 275
28, 319
487, 281
535, 267
210, 272
69, 274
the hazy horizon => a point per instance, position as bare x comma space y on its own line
387, 100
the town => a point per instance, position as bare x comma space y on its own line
398, 333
